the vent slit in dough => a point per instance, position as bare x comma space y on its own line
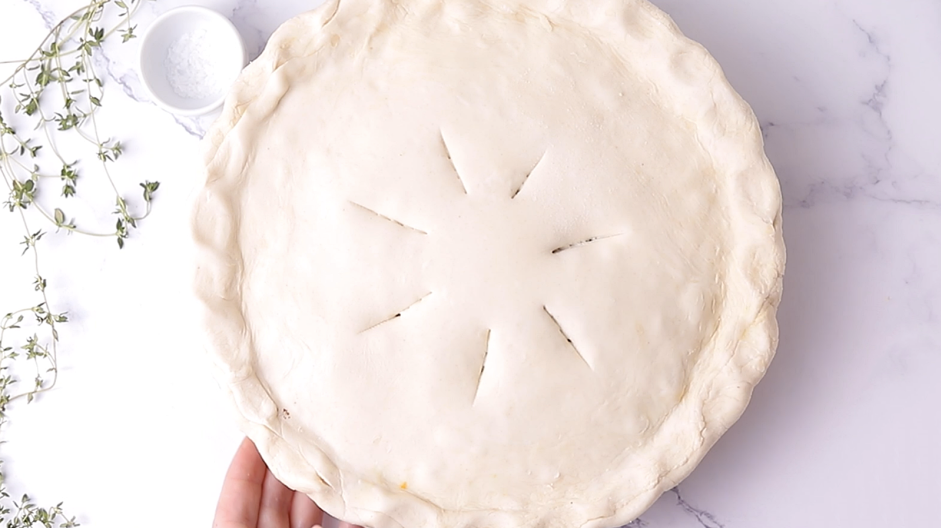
567, 338
397, 315
584, 242
483, 365
390, 219
457, 173
528, 174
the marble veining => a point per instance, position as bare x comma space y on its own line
844, 429
703, 517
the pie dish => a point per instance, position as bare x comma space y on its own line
506, 263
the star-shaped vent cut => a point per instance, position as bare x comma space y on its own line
486, 241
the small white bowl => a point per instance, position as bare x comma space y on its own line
207, 56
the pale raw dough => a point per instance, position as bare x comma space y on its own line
494, 264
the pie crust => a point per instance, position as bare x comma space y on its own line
495, 264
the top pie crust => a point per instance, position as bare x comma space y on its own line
487, 263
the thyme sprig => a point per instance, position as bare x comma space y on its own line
55, 93
62, 68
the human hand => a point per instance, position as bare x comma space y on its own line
253, 498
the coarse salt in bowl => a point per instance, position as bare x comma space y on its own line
189, 58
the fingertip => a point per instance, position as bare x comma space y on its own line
304, 512
240, 498
247, 463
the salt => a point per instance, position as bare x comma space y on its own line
195, 64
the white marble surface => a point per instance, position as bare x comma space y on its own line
845, 430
